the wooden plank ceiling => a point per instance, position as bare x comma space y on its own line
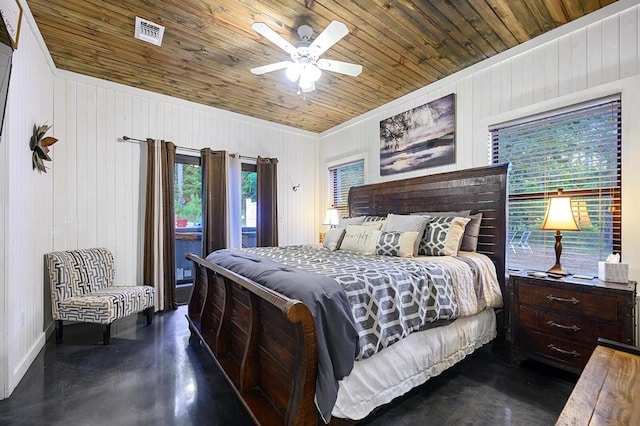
209, 47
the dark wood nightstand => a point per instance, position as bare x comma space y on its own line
558, 321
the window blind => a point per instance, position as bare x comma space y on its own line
579, 150
341, 179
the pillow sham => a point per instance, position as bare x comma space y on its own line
407, 223
345, 221
442, 236
398, 244
460, 213
333, 238
471, 233
360, 238
374, 219
470, 240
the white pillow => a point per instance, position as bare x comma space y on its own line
333, 238
360, 238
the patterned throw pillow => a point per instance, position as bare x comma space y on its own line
374, 219
442, 236
360, 238
407, 223
398, 244
333, 238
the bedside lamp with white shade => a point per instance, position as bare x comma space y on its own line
332, 218
559, 217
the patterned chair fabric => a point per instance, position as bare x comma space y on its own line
82, 289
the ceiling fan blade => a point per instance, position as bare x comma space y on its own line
271, 67
330, 36
264, 30
339, 67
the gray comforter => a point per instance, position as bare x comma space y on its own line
360, 303
329, 306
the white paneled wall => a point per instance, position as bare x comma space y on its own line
593, 57
26, 200
99, 181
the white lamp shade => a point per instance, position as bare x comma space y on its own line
332, 217
560, 215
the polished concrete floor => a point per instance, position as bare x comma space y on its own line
153, 376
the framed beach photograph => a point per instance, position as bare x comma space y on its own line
11, 13
420, 138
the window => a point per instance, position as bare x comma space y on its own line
249, 204
187, 204
341, 179
577, 149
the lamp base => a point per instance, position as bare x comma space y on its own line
558, 270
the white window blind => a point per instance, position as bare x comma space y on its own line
341, 179
577, 149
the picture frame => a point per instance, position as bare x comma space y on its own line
420, 138
11, 12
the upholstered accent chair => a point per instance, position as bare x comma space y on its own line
82, 289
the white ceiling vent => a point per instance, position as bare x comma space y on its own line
149, 31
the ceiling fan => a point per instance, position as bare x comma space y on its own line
305, 65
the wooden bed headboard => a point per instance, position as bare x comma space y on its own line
482, 189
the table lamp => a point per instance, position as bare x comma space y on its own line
559, 217
332, 218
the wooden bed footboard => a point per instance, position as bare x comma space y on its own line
265, 343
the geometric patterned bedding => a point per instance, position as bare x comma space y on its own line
390, 297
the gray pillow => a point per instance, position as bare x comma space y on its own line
333, 238
407, 223
471, 233
344, 221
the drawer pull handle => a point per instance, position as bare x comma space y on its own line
562, 351
573, 300
564, 327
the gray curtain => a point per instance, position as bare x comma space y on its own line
267, 226
159, 258
214, 195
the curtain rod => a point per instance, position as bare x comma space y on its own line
242, 157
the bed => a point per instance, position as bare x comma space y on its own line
267, 344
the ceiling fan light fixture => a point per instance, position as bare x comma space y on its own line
293, 71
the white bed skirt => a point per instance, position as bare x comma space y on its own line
404, 365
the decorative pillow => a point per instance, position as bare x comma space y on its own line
461, 213
442, 236
360, 238
471, 233
333, 238
368, 219
404, 223
344, 221
398, 244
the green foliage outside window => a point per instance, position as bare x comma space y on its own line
187, 200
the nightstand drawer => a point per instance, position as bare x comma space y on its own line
596, 306
563, 353
566, 326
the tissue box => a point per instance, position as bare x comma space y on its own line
613, 272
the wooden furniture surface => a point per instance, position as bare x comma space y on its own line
607, 392
558, 321
265, 343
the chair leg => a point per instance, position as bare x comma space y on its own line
149, 314
106, 334
58, 331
